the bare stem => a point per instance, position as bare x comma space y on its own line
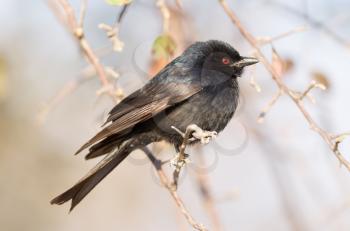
66, 90
312, 85
276, 76
203, 182
181, 158
193, 132
166, 183
268, 107
78, 32
268, 40
165, 14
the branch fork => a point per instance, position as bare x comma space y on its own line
113, 35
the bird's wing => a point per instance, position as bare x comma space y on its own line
153, 98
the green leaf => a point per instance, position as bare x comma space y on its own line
164, 46
118, 2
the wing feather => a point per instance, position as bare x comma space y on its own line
128, 120
159, 94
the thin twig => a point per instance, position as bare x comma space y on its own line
165, 14
113, 31
82, 13
179, 4
66, 90
268, 107
332, 144
253, 81
193, 132
181, 156
78, 32
113, 36
166, 183
314, 23
268, 40
121, 15
207, 197
312, 85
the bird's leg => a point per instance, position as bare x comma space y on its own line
193, 132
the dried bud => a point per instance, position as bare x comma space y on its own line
321, 78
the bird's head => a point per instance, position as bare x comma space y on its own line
219, 56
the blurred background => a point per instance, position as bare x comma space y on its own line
275, 175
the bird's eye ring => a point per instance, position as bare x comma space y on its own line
225, 61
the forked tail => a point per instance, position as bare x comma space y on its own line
100, 171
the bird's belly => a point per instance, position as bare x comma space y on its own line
211, 112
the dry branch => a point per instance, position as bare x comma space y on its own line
76, 28
192, 133
168, 185
165, 14
66, 90
181, 158
315, 23
276, 76
268, 107
268, 40
203, 182
112, 32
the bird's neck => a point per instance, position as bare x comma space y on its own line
217, 79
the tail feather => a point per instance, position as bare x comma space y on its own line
85, 185
105, 146
101, 151
105, 166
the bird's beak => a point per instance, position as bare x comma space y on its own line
246, 61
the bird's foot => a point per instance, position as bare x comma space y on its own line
199, 134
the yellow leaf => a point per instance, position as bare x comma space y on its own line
118, 2
164, 47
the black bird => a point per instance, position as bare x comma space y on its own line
198, 87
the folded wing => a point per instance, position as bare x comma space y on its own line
156, 96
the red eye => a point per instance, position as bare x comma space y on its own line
225, 61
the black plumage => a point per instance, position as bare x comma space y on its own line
199, 87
